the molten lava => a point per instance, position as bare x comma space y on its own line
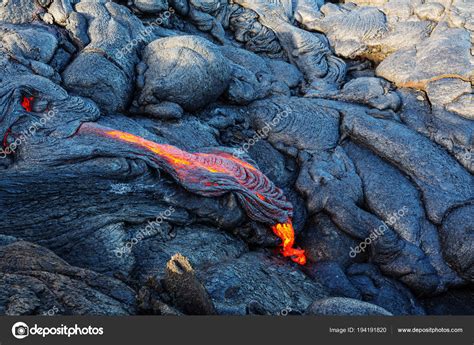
27, 103
287, 234
214, 174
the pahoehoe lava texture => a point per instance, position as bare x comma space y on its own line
149, 148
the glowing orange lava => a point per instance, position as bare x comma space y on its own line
176, 156
26, 103
287, 235
260, 195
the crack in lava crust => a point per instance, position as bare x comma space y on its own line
214, 174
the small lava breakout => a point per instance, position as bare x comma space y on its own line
27, 103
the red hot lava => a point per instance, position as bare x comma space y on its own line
287, 234
214, 174
27, 103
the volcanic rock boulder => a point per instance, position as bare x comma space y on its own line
151, 6
150, 299
321, 179
202, 246
330, 275
445, 185
443, 182
186, 70
36, 281
374, 92
39, 49
309, 52
366, 31
387, 293
255, 78
56, 111
457, 238
33, 46
404, 37
350, 30
252, 34
452, 47
296, 124
400, 200
452, 132
18, 11
324, 241
235, 285
326, 171
105, 69
344, 306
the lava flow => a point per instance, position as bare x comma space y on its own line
214, 174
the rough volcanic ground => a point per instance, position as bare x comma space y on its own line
362, 112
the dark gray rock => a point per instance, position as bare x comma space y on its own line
296, 124
105, 68
392, 197
452, 302
151, 6
178, 67
452, 132
35, 282
18, 11
330, 275
442, 180
324, 241
382, 291
257, 277
202, 246
457, 241
347, 152
344, 306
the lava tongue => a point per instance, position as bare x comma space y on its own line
287, 234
